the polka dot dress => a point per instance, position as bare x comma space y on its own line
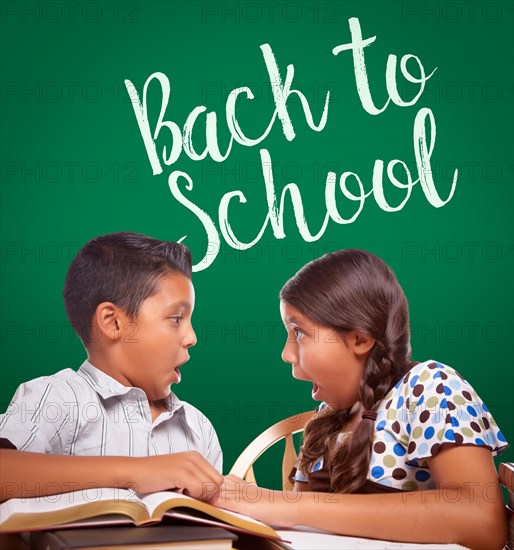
431, 406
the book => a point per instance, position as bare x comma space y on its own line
112, 506
170, 537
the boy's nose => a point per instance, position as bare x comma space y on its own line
190, 340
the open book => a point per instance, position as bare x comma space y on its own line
105, 506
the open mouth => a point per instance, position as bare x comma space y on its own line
315, 390
176, 370
181, 363
176, 375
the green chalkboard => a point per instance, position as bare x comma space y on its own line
75, 164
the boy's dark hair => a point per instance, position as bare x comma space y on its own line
122, 268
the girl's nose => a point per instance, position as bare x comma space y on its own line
288, 355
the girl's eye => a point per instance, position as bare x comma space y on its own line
176, 319
298, 333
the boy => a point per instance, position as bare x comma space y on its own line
130, 299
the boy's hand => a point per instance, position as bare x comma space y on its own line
186, 472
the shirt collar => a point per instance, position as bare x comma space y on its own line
174, 405
106, 386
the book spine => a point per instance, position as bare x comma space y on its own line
45, 540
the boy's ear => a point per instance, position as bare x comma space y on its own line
361, 343
108, 318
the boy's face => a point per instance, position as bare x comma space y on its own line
156, 343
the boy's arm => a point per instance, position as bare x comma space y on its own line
25, 474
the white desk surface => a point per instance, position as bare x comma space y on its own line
305, 539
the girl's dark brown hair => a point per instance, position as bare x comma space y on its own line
352, 290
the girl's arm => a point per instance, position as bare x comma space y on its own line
467, 508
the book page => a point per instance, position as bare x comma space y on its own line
154, 500
160, 503
63, 501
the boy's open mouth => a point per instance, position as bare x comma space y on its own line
175, 373
176, 369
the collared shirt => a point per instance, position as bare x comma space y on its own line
87, 412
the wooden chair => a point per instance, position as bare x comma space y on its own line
507, 480
243, 466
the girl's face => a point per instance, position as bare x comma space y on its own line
320, 355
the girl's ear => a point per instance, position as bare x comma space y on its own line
361, 343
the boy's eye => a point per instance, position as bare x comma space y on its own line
176, 319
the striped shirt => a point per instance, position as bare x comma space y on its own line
86, 412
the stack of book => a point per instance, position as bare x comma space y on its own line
114, 538
110, 518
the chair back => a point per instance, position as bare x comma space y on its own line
243, 466
507, 480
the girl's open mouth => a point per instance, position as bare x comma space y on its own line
315, 390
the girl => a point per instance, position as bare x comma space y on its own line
404, 449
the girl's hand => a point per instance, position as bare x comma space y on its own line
271, 507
